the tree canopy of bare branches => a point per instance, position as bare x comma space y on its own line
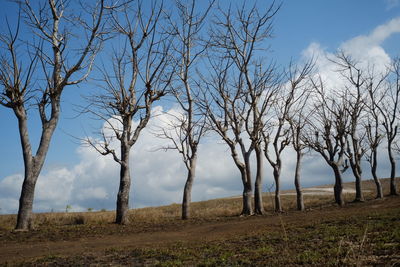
141, 74
241, 88
185, 131
389, 109
327, 132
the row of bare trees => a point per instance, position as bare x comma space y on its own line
214, 63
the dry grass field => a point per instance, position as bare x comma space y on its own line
358, 234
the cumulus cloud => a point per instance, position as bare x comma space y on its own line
366, 49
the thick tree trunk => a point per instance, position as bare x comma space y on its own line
299, 192
124, 188
26, 200
393, 189
247, 199
258, 203
187, 192
278, 204
32, 165
374, 165
379, 192
338, 188
357, 174
247, 187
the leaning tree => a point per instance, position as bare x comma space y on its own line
57, 51
139, 75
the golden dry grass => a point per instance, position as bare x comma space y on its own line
211, 209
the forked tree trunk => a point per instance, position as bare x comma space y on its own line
187, 192
393, 189
338, 188
124, 188
299, 192
374, 165
32, 165
258, 203
278, 204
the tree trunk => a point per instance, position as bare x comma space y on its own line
258, 203
393, 189
278, 204
32, 165
374, 165
247, 199
247, 186
124, 187
26, 200
338, 188
357, 174
187, 192
299, 192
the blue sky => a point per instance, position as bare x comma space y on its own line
298, 24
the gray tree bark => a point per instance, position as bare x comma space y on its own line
393, 188
299, 192
374, 165
247, 186
338, 187
124, 186
278, 204
187, 191
358, 182
33, 166
247, 208
258, 202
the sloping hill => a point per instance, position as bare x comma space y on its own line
360, 233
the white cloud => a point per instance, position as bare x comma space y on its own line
366, 49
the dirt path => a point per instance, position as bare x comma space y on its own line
11, 251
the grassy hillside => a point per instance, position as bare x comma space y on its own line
359, 234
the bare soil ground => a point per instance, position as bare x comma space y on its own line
365, 233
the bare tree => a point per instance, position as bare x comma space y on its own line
279, 136
327, 133
355, 104
186, 130
242, 99
389, 108
297, 118
224, 108
372, 125
140, 76
60, 55
260, 98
